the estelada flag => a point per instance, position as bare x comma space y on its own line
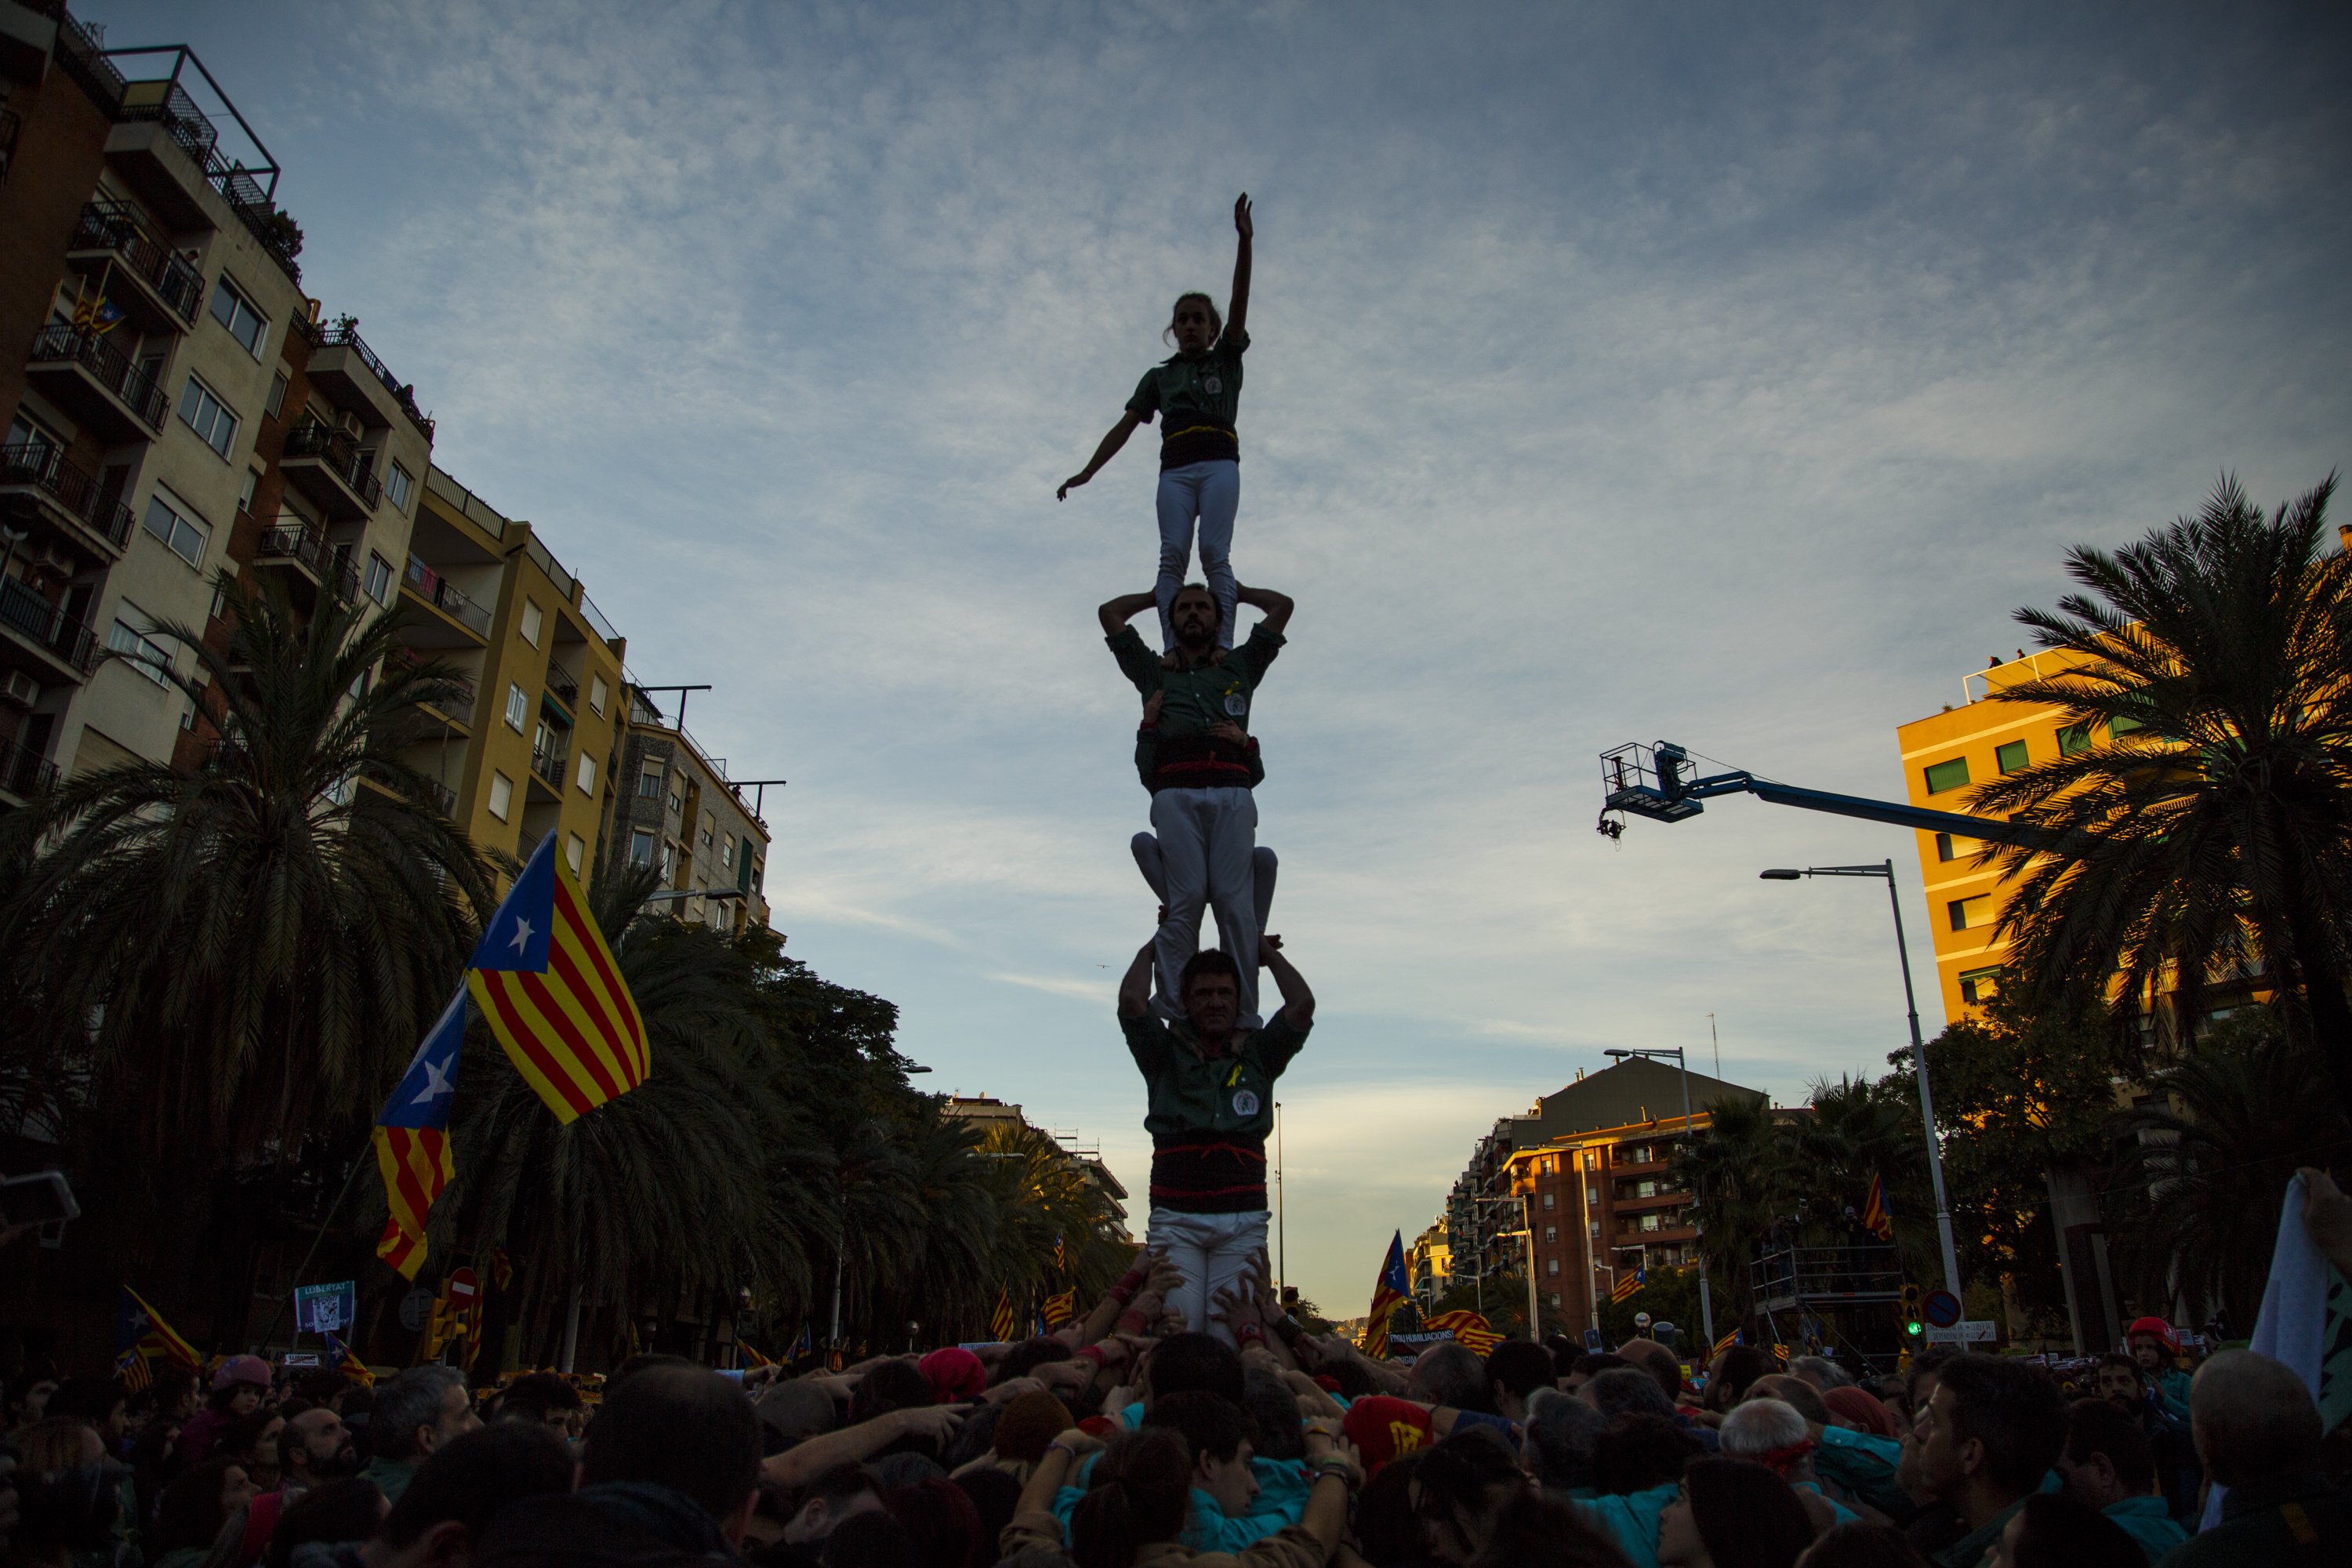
350, 1365
1059, 1309
1726, 1342
139, 1327
553, 995
1629, 1284
1390, 1289
751, 1356
1003, 1323
1875, 1216
412, 1139
1468, 1328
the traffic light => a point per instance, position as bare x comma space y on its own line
1913, 1328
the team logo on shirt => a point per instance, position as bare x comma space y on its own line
1246, 1103
1213, 385
1236, 704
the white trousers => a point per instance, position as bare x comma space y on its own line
1263, 867
1209, 493
1214, 1252
1207, 840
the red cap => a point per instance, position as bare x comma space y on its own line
1381, 1428
2156, 1326
954, 1373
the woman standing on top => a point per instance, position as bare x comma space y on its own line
1195, 395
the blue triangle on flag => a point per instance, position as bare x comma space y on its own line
517, 936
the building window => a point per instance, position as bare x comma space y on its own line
518, 706
727, 851
1548, 1198
1943, 847
233, 310
177, 526
1947, 775
1551, 1233
501, 794
649, 784
708, 828
534, 620
1551, 1266
598, 695
1968, 913
1650, 1222
1976, 984
399, 484
208, 416
276, 401
1592, 1196
2073, 739
641, 847
379, 579
1593, 1226
587, 777
2119, 725
575, 850
150, 658
2010, 758
1555, 1300
245, 493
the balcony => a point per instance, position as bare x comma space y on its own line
23, 772
427, 586
96, 382
352, 374
305, 559
547, 765
160, 292
41, 638
168, 148
38, 485
328, 465
456, 713
564, 688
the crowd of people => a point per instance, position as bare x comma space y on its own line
1128, 1440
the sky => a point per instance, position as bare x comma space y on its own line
1721, 373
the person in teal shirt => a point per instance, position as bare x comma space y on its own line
2109, 1464
2157, 1353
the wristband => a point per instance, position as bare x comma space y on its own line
1093, 1353
1248, 1331
1132, 1322
1286, 1329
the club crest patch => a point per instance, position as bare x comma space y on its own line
1246, 1103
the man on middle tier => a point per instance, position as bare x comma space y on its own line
1198, 758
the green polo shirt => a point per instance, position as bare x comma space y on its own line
1208, 1116
1196, 397
1194, 700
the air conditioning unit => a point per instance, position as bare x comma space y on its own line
350, 424
20, 691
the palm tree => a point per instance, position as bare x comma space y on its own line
235, 954
2212, 832
2200, 1182
1736, 1172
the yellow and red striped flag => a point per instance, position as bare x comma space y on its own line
750, 1357
411, 1140
1002, 1324
1875, 1215
142, 1328
1059, 1309
1390, 1290
1630, 1283
543, 977
1468, 1328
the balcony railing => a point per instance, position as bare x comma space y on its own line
345, 333
338, 452
106, 364
48, 624
111, 225
290, 542
562, 687
24, 772
445, 595
547, 762
75, 490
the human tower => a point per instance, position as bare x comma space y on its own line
1208, 1057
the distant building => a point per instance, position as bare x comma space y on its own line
675, 810
1587, 1168
1429, 1265
992, 1115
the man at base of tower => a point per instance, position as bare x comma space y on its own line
1210, 1088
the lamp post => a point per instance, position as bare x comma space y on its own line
1281, 1254
1698, 1220
1918, 1049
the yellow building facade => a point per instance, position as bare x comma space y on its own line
537, 749
1946, 755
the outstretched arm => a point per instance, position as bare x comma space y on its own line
1115, 612
1238, 312
1297, 1002
1103, 454
1275, 607
1135, 986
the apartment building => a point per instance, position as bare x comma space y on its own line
990, 1115
176, 414
536, 749
1584, 1174
675, 810
1429, 1265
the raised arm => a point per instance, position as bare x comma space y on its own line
1135, 986
1111, 443
1115, 612
1275, 607
1297, 1002
798, 1466
1237, 312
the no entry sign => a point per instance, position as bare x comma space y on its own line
464, 1287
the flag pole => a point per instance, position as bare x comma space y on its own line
315, 1242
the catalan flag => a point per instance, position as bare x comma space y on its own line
1059, 1309
1468, 1328
1003, 1322
501, 1267
1875, 1215
1726, 1342
553, 995
412, 1139
351, 1366
1629, 1283
141, 1328
1389, 1291
132, 1369
1061, 1252
750, 1357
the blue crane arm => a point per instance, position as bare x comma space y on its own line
1659, 791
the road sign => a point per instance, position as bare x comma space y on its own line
325, 1309
1941, 1308
415, 1309
1974, 1331
464, 1287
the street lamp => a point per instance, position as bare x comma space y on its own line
1698, 1220
1527, 1219
1918, 1050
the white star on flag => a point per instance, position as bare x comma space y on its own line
522, 933
436, 1084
